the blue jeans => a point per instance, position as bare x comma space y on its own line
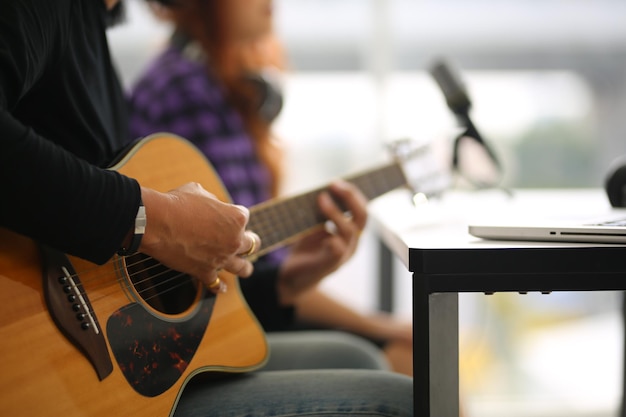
308, 374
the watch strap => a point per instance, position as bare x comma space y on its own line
140, 229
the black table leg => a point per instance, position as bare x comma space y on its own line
435, 351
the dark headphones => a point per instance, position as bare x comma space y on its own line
615, 182
269, 89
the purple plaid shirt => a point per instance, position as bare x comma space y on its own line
177, 95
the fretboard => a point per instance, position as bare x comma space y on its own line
280, 221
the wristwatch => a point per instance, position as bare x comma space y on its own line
140, 229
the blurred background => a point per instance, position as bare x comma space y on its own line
547, 81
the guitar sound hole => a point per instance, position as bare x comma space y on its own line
165, 290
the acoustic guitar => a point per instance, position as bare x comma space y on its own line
124, 338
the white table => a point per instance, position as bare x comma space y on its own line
433, 243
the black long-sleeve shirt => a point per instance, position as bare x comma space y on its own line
63, 120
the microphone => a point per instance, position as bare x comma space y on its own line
460, 104
453, 89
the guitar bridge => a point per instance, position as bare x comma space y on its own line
71, 310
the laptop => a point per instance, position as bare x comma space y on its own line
603, 226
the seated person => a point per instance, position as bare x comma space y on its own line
63, 118
208, 86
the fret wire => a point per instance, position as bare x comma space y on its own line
284, 218
276, 222
260, 225
274, 227
378, 180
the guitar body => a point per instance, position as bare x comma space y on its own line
79, 339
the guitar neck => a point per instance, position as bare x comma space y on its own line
280, 221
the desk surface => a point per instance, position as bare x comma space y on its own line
431, 239
433, 242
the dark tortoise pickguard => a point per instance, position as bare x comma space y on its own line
152, 353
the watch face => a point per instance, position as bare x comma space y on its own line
140, 221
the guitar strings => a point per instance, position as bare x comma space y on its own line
146, 299
277, 225
121, 272
264, 226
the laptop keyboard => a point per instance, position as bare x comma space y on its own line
613, 223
